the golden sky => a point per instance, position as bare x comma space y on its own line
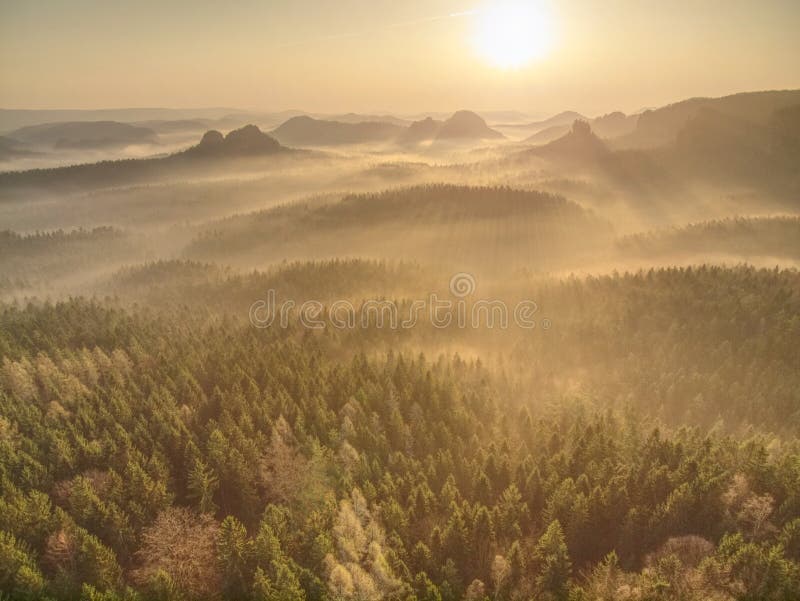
398, 56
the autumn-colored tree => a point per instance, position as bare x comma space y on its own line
183, 545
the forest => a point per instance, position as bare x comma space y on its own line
179, 453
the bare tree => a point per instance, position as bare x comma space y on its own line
182, 544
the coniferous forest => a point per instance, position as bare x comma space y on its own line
166, 451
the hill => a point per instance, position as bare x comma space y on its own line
466, 125
548, 134
361, 118
726, 150
611, 125
247, 141
711, 149
740, 237
13, 149
84, 135
172, 126
785, 123
579, 144
461, 126
11, 119
424, 130
561, 119
647, 184
307, 131
45, 262
214, 151
661, 126
492, 228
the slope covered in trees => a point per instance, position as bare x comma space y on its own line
44, 260
744, 237
662, 126
155, 454
704, 345
477, 226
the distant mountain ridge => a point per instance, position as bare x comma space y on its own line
421, 131
753, 146
214, 148
578, 144
460, 126
661, 126
84, 135
611, 125
561, 119
364, 118
13, 149
467, 125
308, 131
11, 119
246, 141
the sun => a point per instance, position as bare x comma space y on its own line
509, 35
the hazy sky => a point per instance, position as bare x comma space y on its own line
388, 55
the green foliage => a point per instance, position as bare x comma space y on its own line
192, 456
20, 577
552, 559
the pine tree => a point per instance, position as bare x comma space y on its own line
201, 486
233, 551
553, 564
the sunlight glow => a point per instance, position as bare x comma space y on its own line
509, 35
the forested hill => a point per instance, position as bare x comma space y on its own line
679, 344
144, 455
50, 255
483, 226
745, 237
214, 154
